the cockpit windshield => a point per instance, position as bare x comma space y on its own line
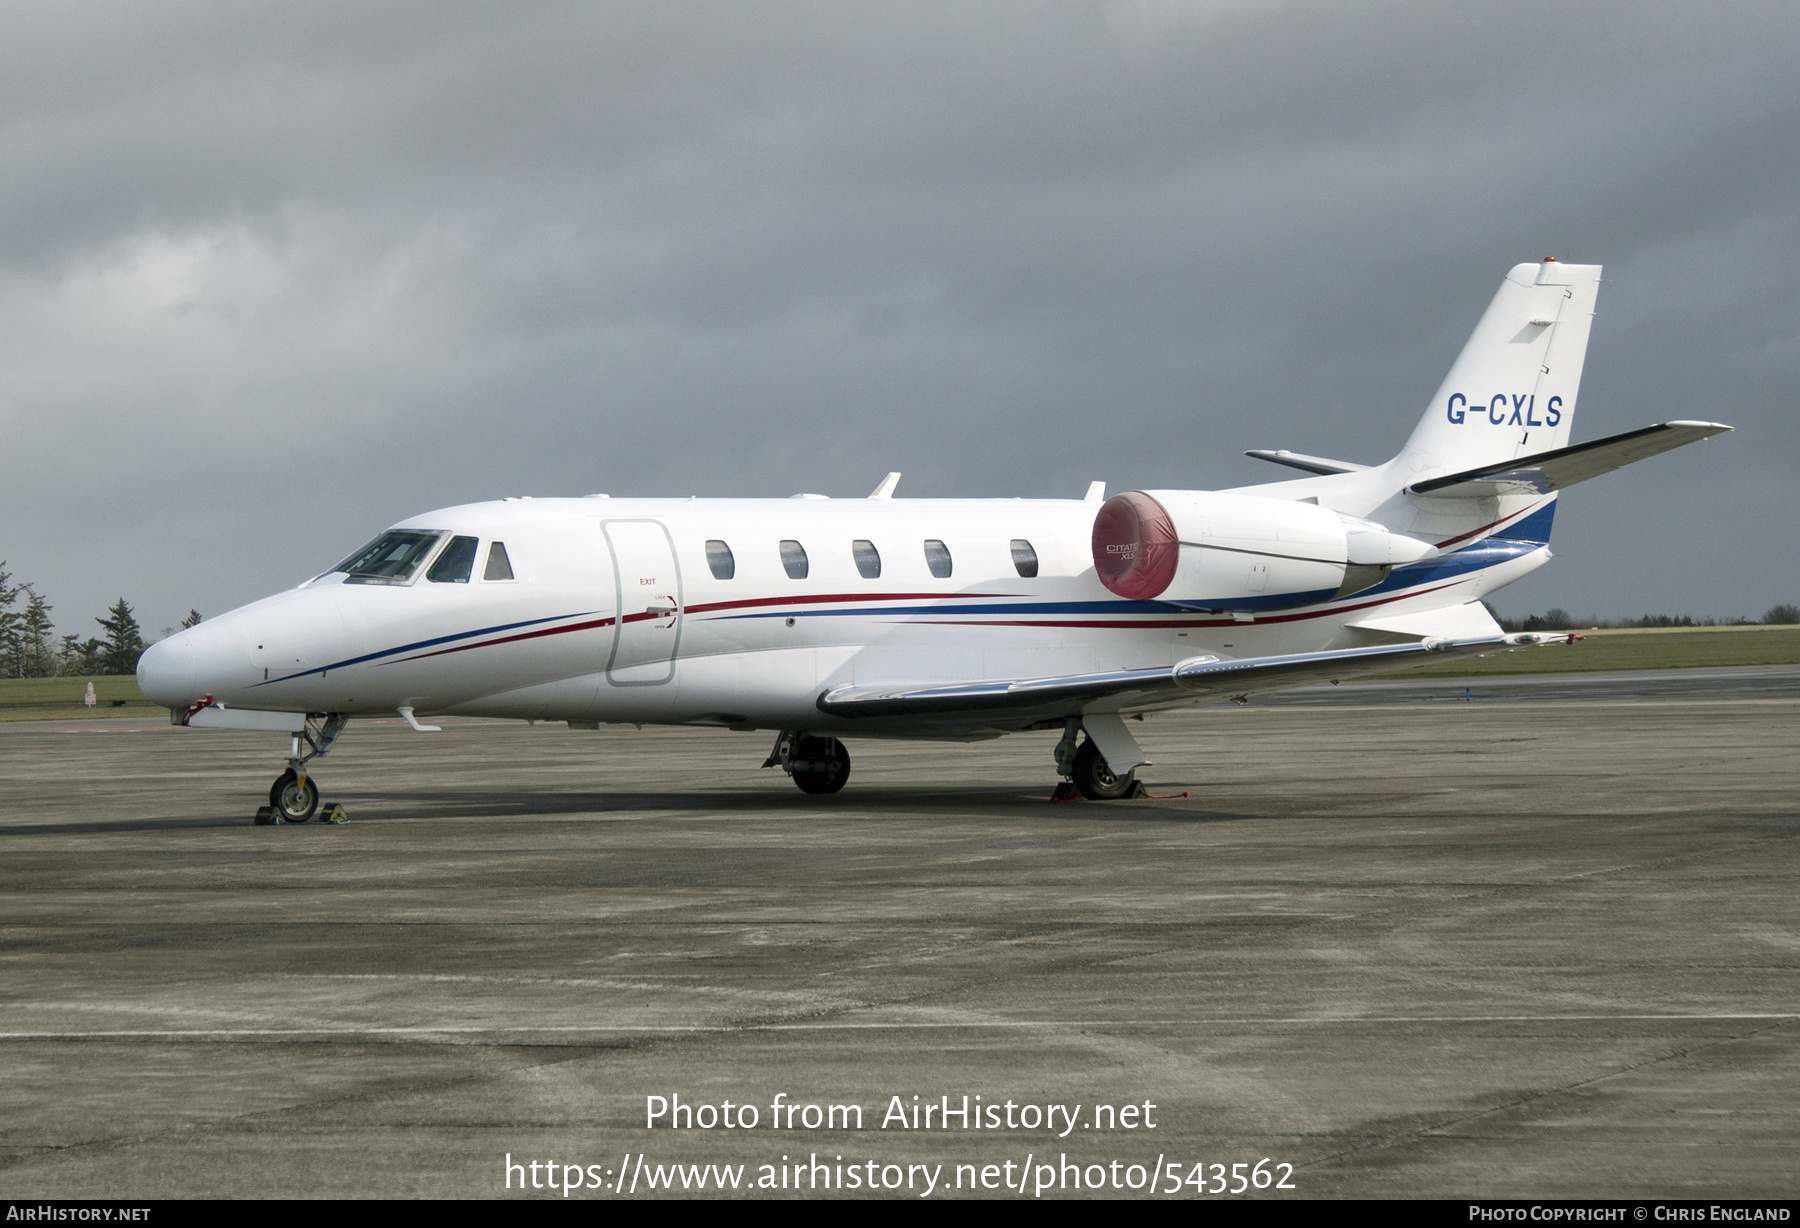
392, 556
455, 563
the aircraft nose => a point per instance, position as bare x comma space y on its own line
166, 672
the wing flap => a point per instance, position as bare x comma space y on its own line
1196, 678
1548, 471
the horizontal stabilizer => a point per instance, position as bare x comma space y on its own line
1121, 690
1548, 471
1299, 460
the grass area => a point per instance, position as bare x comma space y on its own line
44, 699
1635, 648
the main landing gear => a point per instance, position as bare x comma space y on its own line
295, 795
1095, 781
1086, 772
818, 765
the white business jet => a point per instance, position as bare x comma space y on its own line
954, 619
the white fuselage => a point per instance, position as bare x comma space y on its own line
614, 614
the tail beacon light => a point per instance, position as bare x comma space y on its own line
1206, 549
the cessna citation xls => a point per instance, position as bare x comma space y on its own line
957, 619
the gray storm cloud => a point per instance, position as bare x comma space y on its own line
274, 276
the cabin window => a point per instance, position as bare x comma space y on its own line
868, 559
793, 559
455, 563
499, 567
391, 558
1024, 558
937, 557
719, 558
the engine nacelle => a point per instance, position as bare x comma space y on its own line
1227, 552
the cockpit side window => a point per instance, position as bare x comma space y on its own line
499, 567
391, 558
455, 563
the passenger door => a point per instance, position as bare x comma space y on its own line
647, 583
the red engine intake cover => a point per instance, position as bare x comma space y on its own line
1136, 548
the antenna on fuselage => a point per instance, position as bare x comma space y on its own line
886, 489
1096, 492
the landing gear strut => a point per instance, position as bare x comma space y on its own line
1085, 769
818, 765
295, 795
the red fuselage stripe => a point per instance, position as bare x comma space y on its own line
1260, 620
1156, 624
1460, 537
509, 639
710, 607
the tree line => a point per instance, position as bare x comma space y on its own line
1558, 619
29, 647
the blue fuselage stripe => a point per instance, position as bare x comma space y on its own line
431, 643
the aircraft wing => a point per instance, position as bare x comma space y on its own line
1548, 471
1199, 678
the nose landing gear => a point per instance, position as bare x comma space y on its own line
818, 765
295, 795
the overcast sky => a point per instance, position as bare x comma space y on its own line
273, 276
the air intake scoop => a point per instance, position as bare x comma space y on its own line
1136, 547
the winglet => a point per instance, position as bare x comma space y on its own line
886, 489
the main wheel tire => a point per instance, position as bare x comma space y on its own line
821, 765
1095, 781
293, 799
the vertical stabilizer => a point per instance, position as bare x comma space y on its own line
1511, 391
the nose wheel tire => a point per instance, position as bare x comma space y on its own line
821, 765
293, 799
1095, 781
